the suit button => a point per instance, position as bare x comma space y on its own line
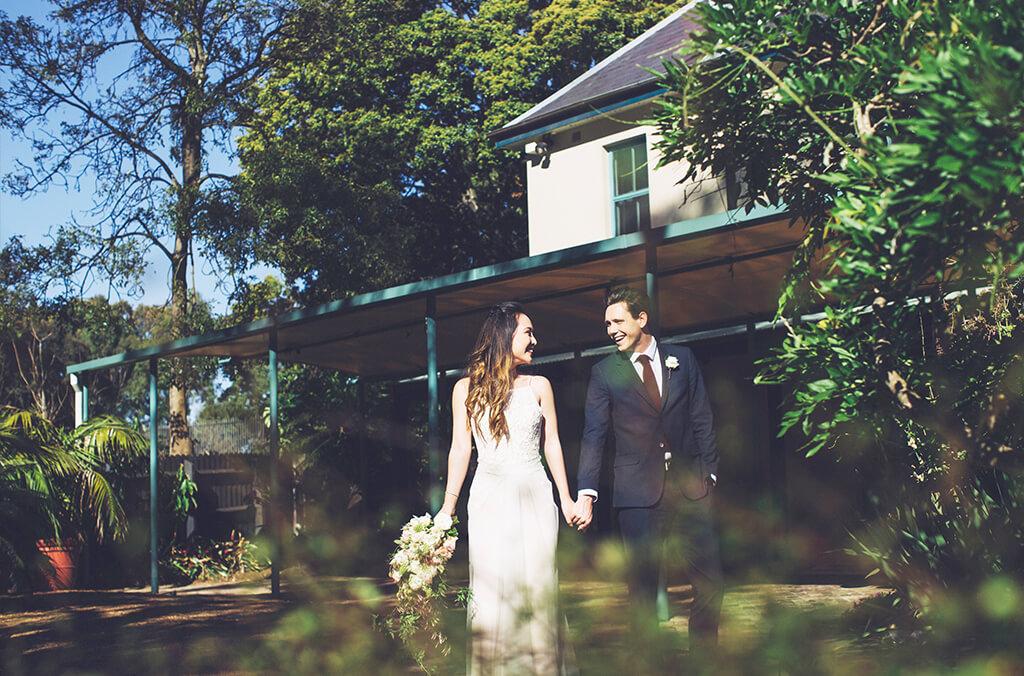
661, 445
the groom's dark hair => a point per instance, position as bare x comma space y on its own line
636, 301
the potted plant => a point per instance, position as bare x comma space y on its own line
55, 491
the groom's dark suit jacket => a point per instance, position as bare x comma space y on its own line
616, 400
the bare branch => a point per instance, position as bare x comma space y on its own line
212, 176
134, 13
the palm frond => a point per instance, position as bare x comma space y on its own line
29, 437
99, 499
106, 438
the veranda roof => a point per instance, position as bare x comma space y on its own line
714, 271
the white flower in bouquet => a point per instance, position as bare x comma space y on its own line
420, 522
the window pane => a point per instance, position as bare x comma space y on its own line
640, 165
643, 205
632, 215
626, 217
622, 165
629, 165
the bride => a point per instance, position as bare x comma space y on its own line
514, 624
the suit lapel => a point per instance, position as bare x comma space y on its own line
630, 376
666, 377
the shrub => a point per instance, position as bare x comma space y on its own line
204, 559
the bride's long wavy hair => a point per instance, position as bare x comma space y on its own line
490, 369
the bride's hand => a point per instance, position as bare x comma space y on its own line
568, 510
443, 519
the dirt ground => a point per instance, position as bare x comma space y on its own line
322, 625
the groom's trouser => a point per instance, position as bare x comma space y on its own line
682, 533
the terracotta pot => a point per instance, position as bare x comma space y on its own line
63, 557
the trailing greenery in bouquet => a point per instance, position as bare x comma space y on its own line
418, 568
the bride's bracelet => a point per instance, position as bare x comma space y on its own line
454, 495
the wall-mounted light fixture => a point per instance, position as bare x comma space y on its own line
539, 152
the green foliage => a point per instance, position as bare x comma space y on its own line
42, 332
366, 160
184, 494
203, 559
894, 131
55, 483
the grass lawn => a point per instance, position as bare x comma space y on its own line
325, 625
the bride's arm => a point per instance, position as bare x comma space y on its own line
462, 447
552, 444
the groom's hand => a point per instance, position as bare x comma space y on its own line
584, 512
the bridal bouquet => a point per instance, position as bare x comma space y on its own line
418, 568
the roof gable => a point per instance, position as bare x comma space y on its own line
620, 77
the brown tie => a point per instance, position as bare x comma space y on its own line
650, 384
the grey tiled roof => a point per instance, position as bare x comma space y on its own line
617, 78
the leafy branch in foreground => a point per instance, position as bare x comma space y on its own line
894, 133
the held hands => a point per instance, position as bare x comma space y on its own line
568, 509
584, 513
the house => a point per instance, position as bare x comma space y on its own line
593, 168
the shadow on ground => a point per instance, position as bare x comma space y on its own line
322, 625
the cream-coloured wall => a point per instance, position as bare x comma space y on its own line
569, 192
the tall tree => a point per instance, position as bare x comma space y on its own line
367, 162
135, 94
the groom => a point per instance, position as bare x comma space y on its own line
652, 397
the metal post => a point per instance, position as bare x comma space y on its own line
651, 282
664, 612
76, 385
361, 413
653, 323
275, 493
433, 421
154, 533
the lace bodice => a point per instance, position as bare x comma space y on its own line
522, 446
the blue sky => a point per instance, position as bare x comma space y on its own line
35, 217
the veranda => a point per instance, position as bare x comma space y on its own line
710, 279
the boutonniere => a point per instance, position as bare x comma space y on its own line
671, 363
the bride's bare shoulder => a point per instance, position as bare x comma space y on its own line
539, 381
540, 386
462, 386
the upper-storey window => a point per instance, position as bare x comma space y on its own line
631, 203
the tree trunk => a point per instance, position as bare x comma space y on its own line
177, 396
191, 160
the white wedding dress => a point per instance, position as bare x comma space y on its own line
514, 622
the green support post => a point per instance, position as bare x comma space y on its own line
363, 426
651, 281
274, 503
651, 288
154, 533
433, 421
